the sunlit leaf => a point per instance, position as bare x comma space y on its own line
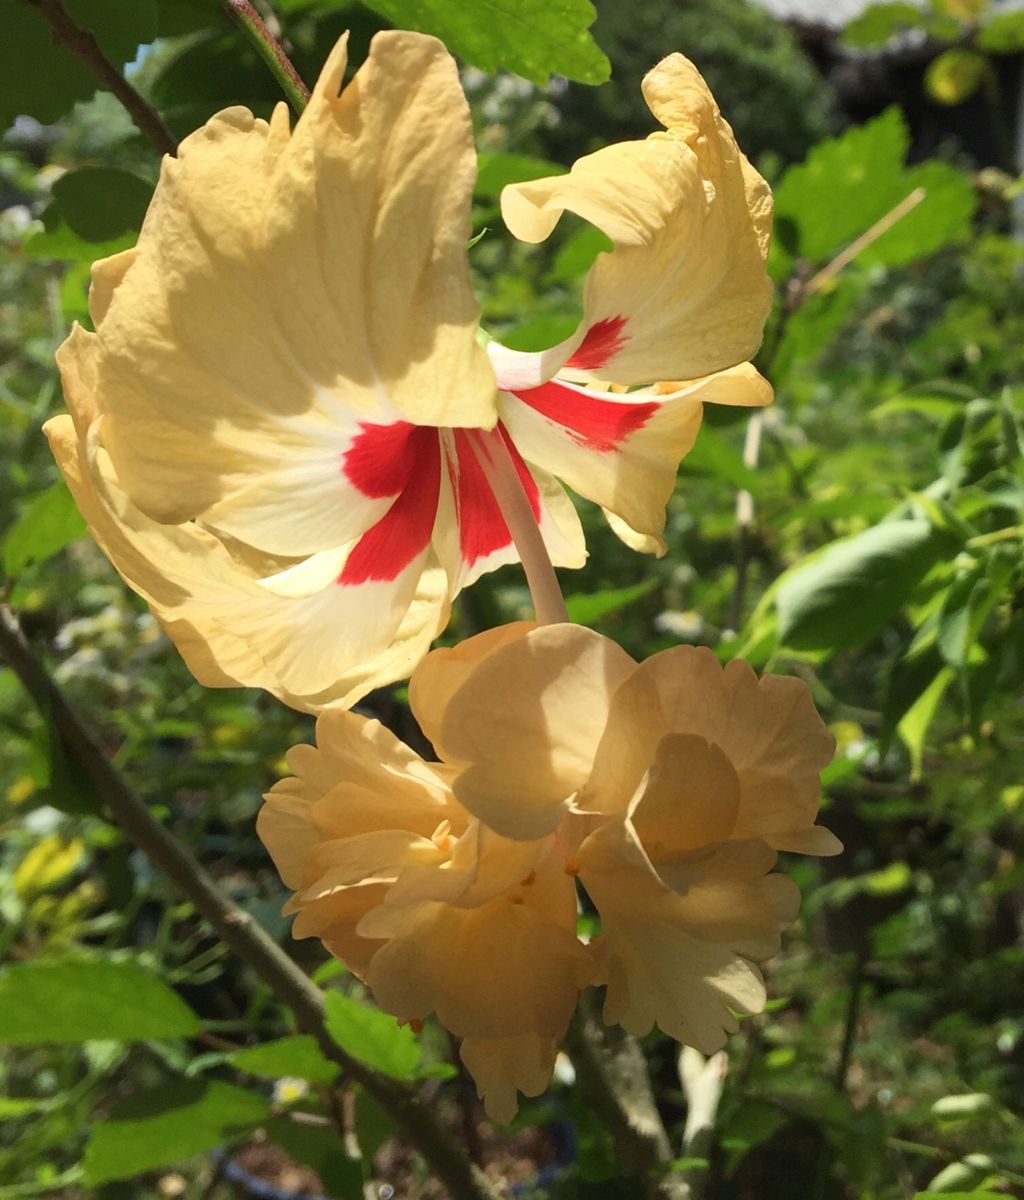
297, 1056
77, 1000
845, 593
877, 24
955, 75
47, 523
158, 1127
532, 38
371, 1036
587, 608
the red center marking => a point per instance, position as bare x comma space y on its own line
380, 459
482, 528
591, 422
602, 340
388, 547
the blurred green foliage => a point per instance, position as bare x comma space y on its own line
884, 564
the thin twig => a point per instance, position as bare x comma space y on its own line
236, 927
882, 225
81, 43
271, 51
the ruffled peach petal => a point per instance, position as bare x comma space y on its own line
502, 1067
690, 798
684, 292
509, 967
768, 728
555, 685
678, 961
444, 670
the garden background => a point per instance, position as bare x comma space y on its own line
864, 534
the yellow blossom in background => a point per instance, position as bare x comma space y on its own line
274, 430
666, 787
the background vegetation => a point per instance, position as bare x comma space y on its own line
866, 535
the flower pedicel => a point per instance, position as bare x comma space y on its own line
667, 788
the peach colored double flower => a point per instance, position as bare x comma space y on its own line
666, 788
275, 428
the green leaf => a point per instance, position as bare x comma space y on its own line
42, 79
913, 727
158, 1127
842, 595
860, 167
713, 455
865, 167
46, 525
587, 608
373, 1037
58, 240
297, 1056
877, 24
72, 1000
577, 254
496, 171
944, 215
533, 38
955, 75
1004, 34
100, 203
317, 1147
930, 1195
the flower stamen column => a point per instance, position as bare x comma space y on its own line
500, 472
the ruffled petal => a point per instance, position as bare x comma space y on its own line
526, 756
290, 289
501, 1067
684, 292
310, 640
768, 728
622, 450
678, 961
509, 967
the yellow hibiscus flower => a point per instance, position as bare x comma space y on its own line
666, 787
276, 428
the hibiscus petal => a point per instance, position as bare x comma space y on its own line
690, 798
520, 966
621, 451
525, 757
288, 286
332, 644
501, 1067
684, 292
665, 960
479, 539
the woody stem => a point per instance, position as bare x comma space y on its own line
270, 50
503, 478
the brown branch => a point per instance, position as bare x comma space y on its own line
613, 1077
235, 926
81, 43
270, 50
